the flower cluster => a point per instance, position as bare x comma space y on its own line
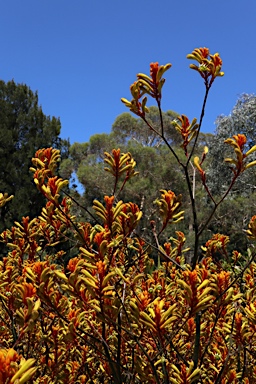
238, 143
186, 129
146, 85
85, 302
104, 315
209, 65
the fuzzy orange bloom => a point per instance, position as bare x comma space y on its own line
8, 364
154, 67
209, 65
28, 291
241, 140
72, 264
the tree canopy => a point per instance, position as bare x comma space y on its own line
242, 119
157, 167
24, 128
126, 127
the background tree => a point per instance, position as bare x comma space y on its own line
130, 135
23, 130
155, 164
126, 127
242, 119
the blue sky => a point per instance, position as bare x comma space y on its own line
82, 55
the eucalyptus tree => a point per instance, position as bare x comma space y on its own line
240, 204
241, 120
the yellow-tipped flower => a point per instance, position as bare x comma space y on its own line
198, 164
209, 65
146, 85
251, 232
186, 129
135, 105
4, 198
153, 85
238, 142
169, 206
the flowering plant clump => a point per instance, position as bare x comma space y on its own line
107, 313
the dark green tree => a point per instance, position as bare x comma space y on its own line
24, 128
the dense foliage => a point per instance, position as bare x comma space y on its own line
23, 129
242, 119
157, 166
110, 314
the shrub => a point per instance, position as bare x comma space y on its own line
83, 303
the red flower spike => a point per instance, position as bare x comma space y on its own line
52, 185
8, 364
191, 326
240, 141
223, 281
204, 52
72, 264
154, 67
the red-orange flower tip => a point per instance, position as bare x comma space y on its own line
209, 65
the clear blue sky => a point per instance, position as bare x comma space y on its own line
82, 55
